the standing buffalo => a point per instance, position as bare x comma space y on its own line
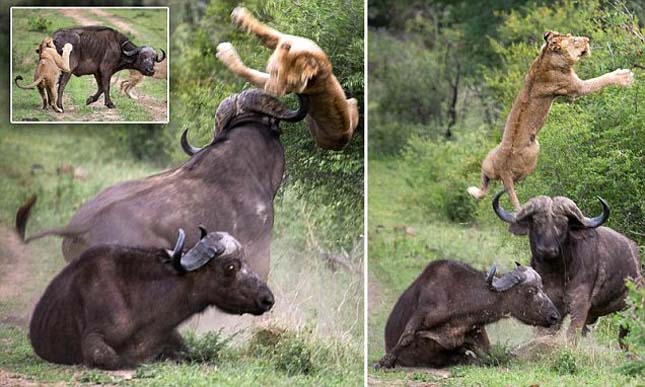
102, 51
228, 185
442, 315
119, 306
584, 266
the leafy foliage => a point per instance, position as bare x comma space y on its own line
39, 23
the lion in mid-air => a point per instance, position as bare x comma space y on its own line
551, 75
299, 66
50, 65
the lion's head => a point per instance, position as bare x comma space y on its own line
46, 43
567, 47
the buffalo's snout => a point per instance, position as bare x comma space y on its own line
265, 301
553, 318
548, 251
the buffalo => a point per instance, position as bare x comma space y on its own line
228, 185
440, 319
102, 51
583, 265
119, 306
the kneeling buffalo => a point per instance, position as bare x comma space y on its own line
442, 315
584, 266
119, 306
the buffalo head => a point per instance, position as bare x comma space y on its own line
251, 105
144, 57
526, 299
221, 274
548, 222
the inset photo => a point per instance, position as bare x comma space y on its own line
89, 64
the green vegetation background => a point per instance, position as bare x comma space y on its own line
442, 77
316, 336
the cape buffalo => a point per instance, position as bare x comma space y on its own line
228, 185
102, 51
119, 306
584, 266
442, 315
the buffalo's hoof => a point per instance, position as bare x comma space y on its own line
110, 105
90, 100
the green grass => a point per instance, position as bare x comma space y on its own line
397, 257
150, 25
320, 311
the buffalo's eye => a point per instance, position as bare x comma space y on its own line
230, 268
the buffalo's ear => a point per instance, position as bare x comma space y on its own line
519, 228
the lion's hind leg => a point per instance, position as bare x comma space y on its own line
482, 191
510, 188
43, 95
246, 21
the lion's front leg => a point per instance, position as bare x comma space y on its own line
227, 54
245, 20
620, 78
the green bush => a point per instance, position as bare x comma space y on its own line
208, 348
39, 23
633, 318
289, 352
565, 362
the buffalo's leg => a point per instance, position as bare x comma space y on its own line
62, 82
477, 341
106, 89
174, 348
99, 84
227, 54
580, 305
246, 21
406, 338
97, 353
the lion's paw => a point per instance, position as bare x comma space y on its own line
239, 15
227, 54
624, 77
68, 47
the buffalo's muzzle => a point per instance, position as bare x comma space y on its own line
265, 301
553, 318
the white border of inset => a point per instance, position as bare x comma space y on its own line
11, 118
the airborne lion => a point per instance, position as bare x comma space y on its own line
551, 75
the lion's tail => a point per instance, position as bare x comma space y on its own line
31, 85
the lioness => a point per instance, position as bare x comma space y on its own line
50, 65
298, 65
551, 75
127, 85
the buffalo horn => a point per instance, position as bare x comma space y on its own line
175, 254
188, 149
506, 282
600, 219
202, 231
163, 56
129, 52
258, 101
508, 217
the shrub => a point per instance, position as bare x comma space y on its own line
565, 362
633, 318
288, 351
208, 348
39, 23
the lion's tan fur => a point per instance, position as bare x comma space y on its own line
50, 65
551, 75
298, 65
135, 77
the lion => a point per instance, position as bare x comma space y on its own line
551, 75
50, 65
135, 77
297, 65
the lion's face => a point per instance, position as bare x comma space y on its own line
299, 68
571, 48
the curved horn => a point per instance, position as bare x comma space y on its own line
260, 102
508, 217
129, 52
163, 56
508, 280
491, 275
203, 232
175, 254
600, 219
188, 149
202, 253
